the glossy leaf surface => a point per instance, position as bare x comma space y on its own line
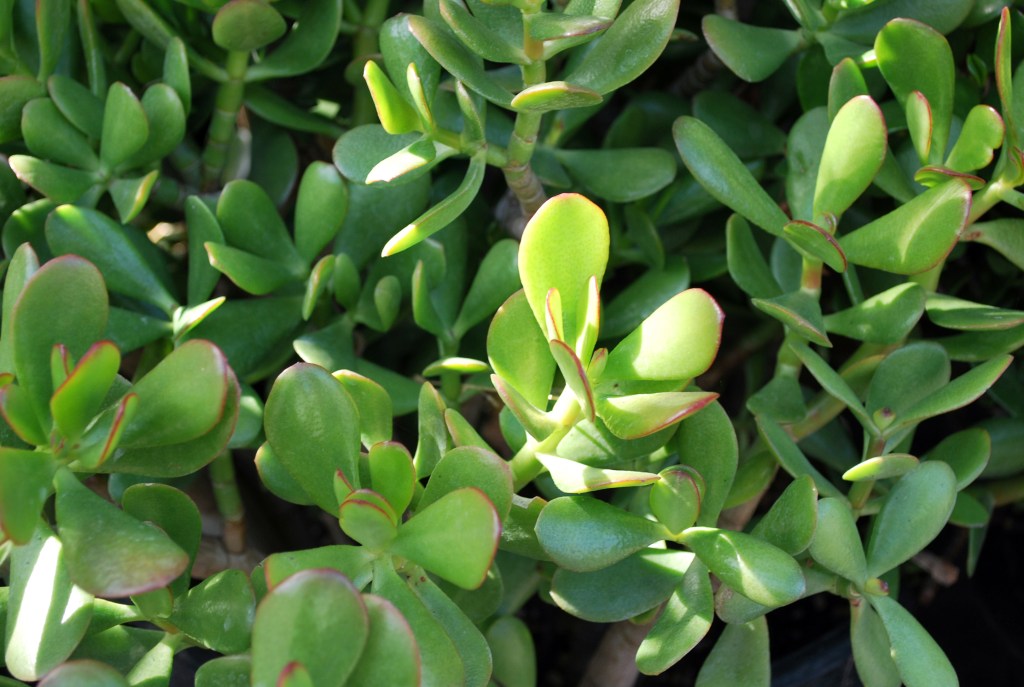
684, 621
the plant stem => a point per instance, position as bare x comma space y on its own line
524, 464
366, 44
229, 501
614, 662
230, 95
519, 175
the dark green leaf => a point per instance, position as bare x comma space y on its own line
307, 44
125, 127
752, 52
50, 136
920, 661
246, 25
59, 184
739, 657
621, 175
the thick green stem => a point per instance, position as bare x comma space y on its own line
229, 502
366, 45
230, 95
519, 175
525, 466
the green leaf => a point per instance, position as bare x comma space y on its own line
792, 520
218, 612
799, 311
46, 614
59, 184
457, 59
534, 421
52, 22
180, 399
166, 116
914, 237
306, 45
99, 239
791, 458
392, 474
847, 83
963, 390
707, 443
400, 48
125, 127
176, 72
391, 654
747, 266
679, 340
781, 399
758, 570
311, 424
518, 351
920, 124
374, 404
627, 48
394, 113
65, 302
753, 53
555, 95
583, 534
225, 671
863, 22
675, 498
576, 478
720, 172
684, 621
445, 212
129, 557
885, 318
496, 279
415, 159
575, 376
130, 195
16, 90
77, 400
172, 511
564, 245
512, 652
967, 452
49, 135
441, 663
251, 273
854, 151
202, 228
913, 56
955, 313
640, 415
739, 657
247, 25
747, 131
470, 466
301, 620
366, 517
918, 658
353, 562
552, 26
84, 673
455, 537
20, 416
836, 544
912, 514
624, 590
815, 243
250, 222
24, 488
621, 175
476, 35
870, 644
433, 434
981, 134
881, 467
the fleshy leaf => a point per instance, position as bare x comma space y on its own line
881, 467
918, 658
128, 558
914, 56
739, 657
319, 209
628, 47
753, 53
621, 175
583, 534
576, 478
914, 237
455, 537
471, 466
312, 426
59, 184
374, 404
720, 172
246, 25
218, 612
684, 621
955, 313
554, 95
24, 487
639, 415
799, 311
623, 590
301, 620
125, 127
791, 521
679, 341
306, 45
391, 655
675, 499
885, 318
912, 514
980, 136
563, 246
966, 451
46, 614
758, 570
392, 474
707, 443
836, 544
854, 151
83, 672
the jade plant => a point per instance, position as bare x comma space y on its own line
662, 319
